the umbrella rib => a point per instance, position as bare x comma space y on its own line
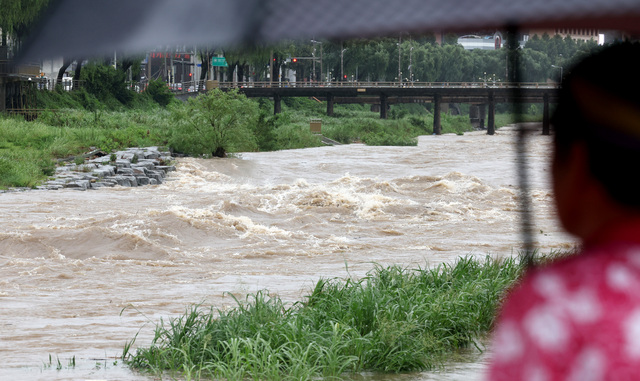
521, 146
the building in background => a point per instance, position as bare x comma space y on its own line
576, 34
471, 42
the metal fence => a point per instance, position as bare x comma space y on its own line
199, 86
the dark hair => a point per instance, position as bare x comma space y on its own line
599, 105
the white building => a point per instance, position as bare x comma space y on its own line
470, 42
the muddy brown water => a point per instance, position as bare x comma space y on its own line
70, 261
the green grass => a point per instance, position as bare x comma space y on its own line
502, 120
392, 320
28, 149
356, 123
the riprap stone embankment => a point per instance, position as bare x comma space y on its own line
131, 168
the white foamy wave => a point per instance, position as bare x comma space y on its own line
361, 198
243, 225
192, 174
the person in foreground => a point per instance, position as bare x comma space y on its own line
579, 317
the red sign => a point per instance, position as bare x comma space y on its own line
178, 56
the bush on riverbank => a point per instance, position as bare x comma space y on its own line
392, 320
213, 124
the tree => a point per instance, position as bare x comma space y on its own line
215, 123
535, 66
17, 17
132, 63
377, 61
106, 83
491, 62
456, 62
205, 54
158, 91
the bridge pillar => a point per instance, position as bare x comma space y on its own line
437, 125
330, 99
491, 125
277, 104
384, 106
545, 114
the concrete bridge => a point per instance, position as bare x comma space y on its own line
484, 94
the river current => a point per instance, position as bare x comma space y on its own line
71, 261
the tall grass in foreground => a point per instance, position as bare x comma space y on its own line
392, 320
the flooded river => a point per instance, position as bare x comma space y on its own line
71, 261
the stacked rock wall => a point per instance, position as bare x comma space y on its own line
131, 168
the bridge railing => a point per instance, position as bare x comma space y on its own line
197, 86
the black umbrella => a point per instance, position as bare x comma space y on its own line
99, 27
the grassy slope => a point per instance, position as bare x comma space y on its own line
392, 320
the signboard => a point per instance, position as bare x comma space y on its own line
179, 56
219, 61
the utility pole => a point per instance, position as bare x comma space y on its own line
399, 67
321, 59
315, 76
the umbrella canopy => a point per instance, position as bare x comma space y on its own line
90, 28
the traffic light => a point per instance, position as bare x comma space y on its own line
345, 76
294, 60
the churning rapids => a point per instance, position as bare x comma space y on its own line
71, 261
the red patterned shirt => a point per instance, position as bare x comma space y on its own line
577, 319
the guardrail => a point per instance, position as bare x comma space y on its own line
198, 86
195, 86
67, 83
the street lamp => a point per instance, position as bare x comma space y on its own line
342, 63
558, 67
314, 60
410, 68
484, 79
399, 67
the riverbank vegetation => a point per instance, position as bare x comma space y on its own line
89, 118
392, 320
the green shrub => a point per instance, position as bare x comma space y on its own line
423, 125
397, 113
296, 135
304, 105
213, 124
106, 83
389, 139
457, 124
340, 132
159, 92
265, 131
